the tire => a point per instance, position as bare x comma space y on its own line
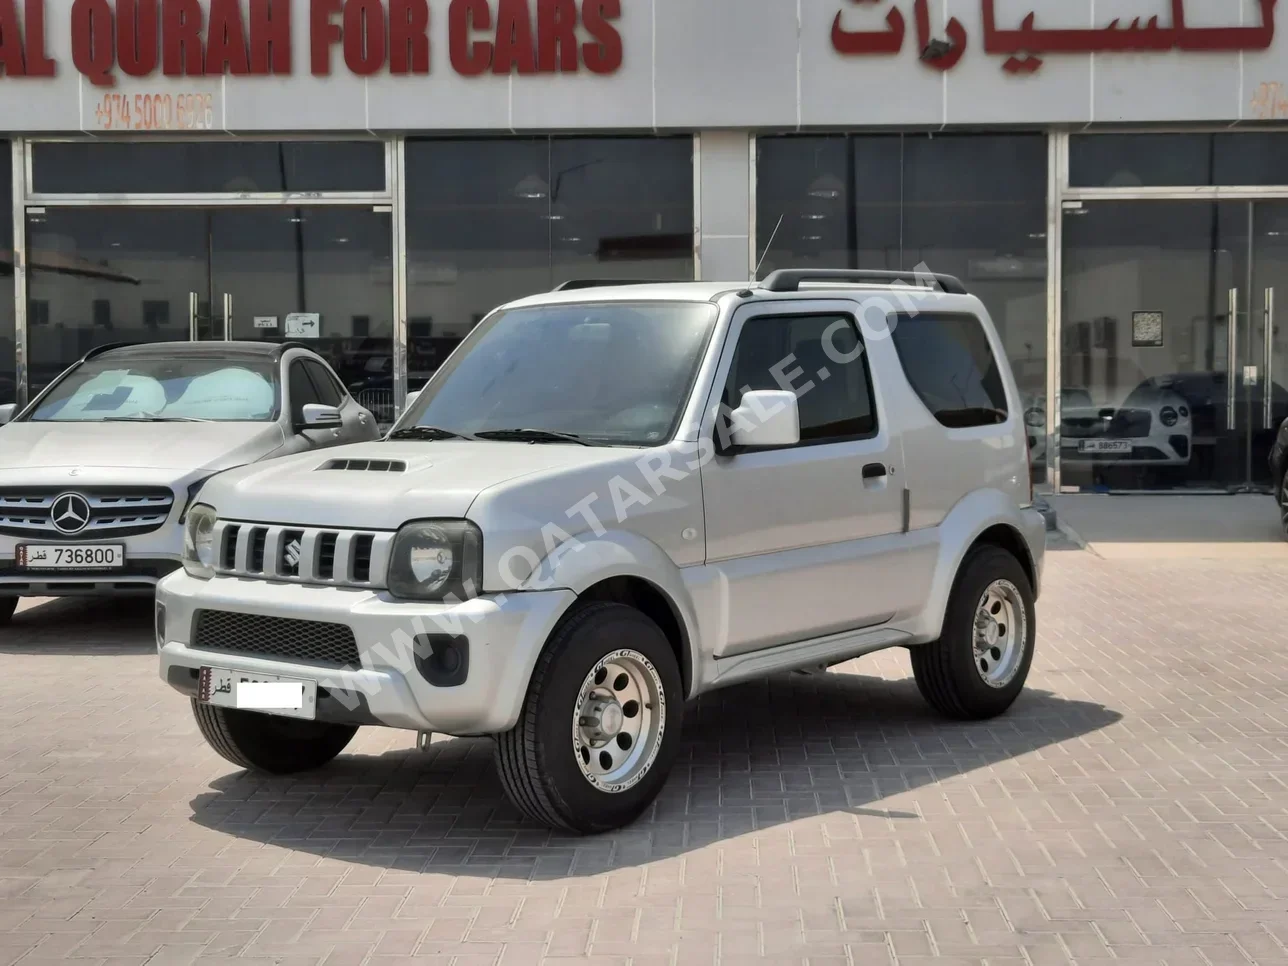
270, 743
538, 759
950, 676
7, 606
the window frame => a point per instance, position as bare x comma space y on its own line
329, 379
896, 318
297, 414
721, 385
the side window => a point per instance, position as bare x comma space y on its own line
821, 359
328, 391
951, 367
301, 391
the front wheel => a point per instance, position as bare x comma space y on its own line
270, 743
978, 666
600, 726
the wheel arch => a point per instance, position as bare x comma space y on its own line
985, 518
626, 568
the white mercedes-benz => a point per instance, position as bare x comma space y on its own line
97, 473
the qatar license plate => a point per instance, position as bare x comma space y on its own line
58, 556
270, 693
1114, 446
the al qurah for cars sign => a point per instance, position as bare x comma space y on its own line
192, 38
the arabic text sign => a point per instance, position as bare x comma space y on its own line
1026, 44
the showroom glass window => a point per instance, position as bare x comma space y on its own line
131, 272
968, 205
8, 380
490, 220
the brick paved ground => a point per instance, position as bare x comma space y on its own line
1131, 807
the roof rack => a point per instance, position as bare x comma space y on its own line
579, 283
789, 279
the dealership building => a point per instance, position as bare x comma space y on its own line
374, 176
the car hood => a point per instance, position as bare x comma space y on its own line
440, 479
176, 448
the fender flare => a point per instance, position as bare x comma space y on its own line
591, 559
960, 530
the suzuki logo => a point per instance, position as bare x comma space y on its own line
70, 513
291, 555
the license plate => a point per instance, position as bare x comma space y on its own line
292, 697
70, 556
1105, 446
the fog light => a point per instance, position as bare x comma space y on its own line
160, 625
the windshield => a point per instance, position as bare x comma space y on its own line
163, 389
608, 373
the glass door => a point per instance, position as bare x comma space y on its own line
1173, 367
102, 275
321, 275
1265, 398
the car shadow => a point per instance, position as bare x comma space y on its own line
80, 625
753, 757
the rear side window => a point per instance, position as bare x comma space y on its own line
952, 368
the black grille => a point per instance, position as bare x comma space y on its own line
258, 537
229, 554
309, 642
362, 556
1110, 424
326, 556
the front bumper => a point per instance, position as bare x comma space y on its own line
505, 636
1159, 450
149, 558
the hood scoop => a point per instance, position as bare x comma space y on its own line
366, 466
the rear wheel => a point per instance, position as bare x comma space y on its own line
7, 606
271, 743
600, 726
978, 666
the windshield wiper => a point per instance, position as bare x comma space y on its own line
155, 419
532, 436
427, 433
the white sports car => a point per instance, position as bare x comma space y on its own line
1152, 426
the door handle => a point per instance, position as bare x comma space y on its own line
228, 316
1232, 360
192, 316
874, 471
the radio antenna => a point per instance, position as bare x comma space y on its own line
765, 254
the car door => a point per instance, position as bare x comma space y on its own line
804, 537
358, 424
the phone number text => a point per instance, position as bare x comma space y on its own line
155, 112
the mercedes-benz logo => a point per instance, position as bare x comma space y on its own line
70, 513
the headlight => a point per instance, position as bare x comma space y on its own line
437, 559
1035, 417
1167, 416
199, 541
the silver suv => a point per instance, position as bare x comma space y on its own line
608, 501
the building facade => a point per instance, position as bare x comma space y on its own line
1110, 176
